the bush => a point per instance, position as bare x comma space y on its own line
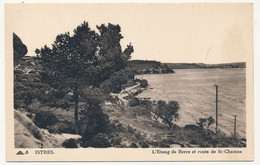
167, 111
133, 145
63, 127
70, 143
142, 107
192, 127
134, 102
147, 104
193, 141
43, 119
96, 122
101, 140
143, 83
116, 142
205, 122
144, 144
137, 80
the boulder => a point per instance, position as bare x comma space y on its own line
28, 135
19, 48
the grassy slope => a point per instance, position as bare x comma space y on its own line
149, 131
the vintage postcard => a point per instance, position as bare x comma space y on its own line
129, 82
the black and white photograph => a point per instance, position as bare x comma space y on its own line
158, 76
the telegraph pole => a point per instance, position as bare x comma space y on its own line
235, 125
216, 108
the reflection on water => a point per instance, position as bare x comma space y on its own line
194, 90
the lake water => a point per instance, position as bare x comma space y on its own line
194, 90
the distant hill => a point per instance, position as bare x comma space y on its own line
201, 65
143, 64
148, 67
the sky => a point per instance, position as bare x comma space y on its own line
166, 32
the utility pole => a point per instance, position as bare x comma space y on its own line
216, 108
235, 125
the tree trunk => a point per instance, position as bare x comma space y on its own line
76, 110
170, 124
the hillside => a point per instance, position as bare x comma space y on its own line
148, 67
143, 64
155, 67
205, 66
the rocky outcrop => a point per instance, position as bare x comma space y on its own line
28, 135
20, 49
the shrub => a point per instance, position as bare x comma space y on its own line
43, 119
205, 122
133, 145
141, 107
101, 140
193, 141
63, 127
167, 112
191, 126
147, 105
137, 80
140, 111
143, 83
202, 122
144, 144
210, 120
96, 122
116, 141
134, 102
70, 143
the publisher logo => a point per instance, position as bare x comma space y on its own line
22, 153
